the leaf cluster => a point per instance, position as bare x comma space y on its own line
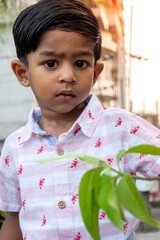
9, 9
3, 215
99, 189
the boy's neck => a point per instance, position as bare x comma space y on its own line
56, 124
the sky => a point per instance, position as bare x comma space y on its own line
145, 75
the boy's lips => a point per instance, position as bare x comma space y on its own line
66, 95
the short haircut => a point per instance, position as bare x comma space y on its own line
45, 15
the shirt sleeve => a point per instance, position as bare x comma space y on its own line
142, 132
9, 184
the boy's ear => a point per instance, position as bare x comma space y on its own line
21, 72
97, 71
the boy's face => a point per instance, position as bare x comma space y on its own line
61, 71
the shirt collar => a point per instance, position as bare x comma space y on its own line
89, 118
87, 121
29, 129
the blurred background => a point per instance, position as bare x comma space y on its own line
130, 52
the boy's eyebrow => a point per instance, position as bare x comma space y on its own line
76, 54
83, 53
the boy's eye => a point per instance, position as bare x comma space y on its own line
51, 64
81, 64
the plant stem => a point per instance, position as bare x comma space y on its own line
137, 177
145, 178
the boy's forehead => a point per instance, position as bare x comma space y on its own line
62, 54
56, 39
64, 45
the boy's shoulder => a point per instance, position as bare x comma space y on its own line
13, 140
113, 118
113, 111
18, 135
96, 105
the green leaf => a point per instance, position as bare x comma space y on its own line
83, 157
90, 159
123, 218
120, 154
144, 149
88, 205
50, 159
131, 199
3, 214
107, 199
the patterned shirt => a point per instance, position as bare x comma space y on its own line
46, 195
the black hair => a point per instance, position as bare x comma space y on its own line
67, 15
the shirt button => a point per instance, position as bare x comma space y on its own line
61, 204
60, 151
38, 135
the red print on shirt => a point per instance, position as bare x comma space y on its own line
25, 237
44, 221
19, 139
41, 183
40, 150
102, 215
74, 163
158, 136
7, 161
110, 160
20, 170
78, 237
76, 131
74, 199
141, 155
24, 204
90, 115
125, 227
119, 122
98, 143
18, 189
134, 130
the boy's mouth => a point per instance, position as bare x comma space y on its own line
66, 95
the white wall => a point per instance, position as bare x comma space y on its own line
15, 100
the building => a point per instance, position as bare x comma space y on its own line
15, 101
111, 87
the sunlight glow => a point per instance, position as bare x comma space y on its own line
145, 75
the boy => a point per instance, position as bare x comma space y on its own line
58, 44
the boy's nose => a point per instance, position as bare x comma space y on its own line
67, 74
